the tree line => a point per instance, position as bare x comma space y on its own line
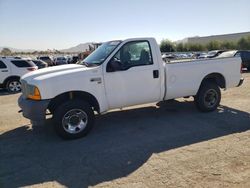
8, 52
169, 46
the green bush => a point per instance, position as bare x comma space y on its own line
213, 45
227, 45
6, 52
242, 44
167, 46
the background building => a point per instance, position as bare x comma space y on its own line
234, 37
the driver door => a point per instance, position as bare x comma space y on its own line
131, 76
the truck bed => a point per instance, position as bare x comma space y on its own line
183, 78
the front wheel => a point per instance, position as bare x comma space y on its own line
73, 119
13, 86
208, 97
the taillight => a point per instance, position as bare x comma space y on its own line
241, 68
31, 68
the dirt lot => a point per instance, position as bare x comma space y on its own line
173, 145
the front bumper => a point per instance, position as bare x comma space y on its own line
33, 110
240, 82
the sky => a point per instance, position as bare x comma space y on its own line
60, 24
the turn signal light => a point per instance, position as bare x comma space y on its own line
36, 95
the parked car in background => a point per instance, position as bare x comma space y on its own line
47, 59
168, 57
11, 70
214, 53
210, 54
40, 64
196, 55
182, 56
202, 55
245, 57
61, 60
74, 59
68, 58
244, 54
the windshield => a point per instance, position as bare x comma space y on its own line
212, 53
100, 54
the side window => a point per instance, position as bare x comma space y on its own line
21, 63
37, 62
131, 54
237, 54
2, 65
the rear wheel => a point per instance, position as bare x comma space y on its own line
208, 97
73, 119
13, 86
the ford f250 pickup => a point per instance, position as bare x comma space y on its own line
120, 74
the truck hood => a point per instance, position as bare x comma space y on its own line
52, 72
56, 80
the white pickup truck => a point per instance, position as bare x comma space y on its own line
120, 74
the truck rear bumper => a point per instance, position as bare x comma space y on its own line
33, 110
241, 82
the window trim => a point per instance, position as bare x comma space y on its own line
137, 41
238, 54
3, 64
12, 61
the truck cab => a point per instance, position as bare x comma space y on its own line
131, 74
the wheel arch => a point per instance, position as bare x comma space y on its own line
70, 95
215, 77
10, 78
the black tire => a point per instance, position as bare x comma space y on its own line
208, 97
13, 85
73, 112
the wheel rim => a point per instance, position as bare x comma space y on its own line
75, 121
14, 86
211, 98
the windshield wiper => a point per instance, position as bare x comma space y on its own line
84, 63
89, 64
94, 64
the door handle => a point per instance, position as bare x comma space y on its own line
155, 74
4, 71
98, 80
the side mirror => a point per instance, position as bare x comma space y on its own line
114, 65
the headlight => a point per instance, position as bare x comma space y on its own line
33, 92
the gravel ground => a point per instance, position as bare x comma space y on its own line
166, 145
